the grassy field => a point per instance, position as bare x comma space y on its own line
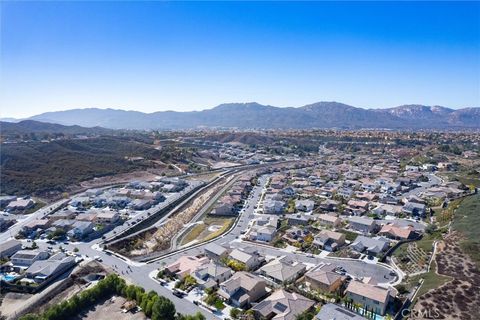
431, 280
444, 216
200, 232
467, 221
193, 233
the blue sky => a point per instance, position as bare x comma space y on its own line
152, 56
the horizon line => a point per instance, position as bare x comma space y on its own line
227, 103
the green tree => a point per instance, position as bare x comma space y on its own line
163, 309
235, 313
196, 316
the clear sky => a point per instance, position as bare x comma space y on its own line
152, 56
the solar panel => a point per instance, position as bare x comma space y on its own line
280, 306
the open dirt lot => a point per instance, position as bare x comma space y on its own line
109, 309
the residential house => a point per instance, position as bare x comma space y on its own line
282, 305
372, 246
332, 311
396, 232
107, 217
344, 192
283, 270
329, 220
304, 205
273, 206
251, 260
9, 247
79, 202
226, 206
62, 215
389, 199
211, 274
358, 204
5, 200
262, 233
329, 205
20, 205
90, 217
215, 252
362, 224
242, 289
324, 279
80, 229
295, 234
329, 240
63, 224
34, 225
118, 202
25, 258
185, 265
141, 204
366, 196
369, 296
288, 191
414, 209
298, 219
42, 270
387, 209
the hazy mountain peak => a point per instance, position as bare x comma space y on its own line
326, 105
324, 114
242, 105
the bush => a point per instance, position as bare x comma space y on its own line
235, 313
236, 265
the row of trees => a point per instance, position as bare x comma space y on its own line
154, 306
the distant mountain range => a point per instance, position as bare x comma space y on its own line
254, 115
32, 126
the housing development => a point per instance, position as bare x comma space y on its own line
239, 160
303, 224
